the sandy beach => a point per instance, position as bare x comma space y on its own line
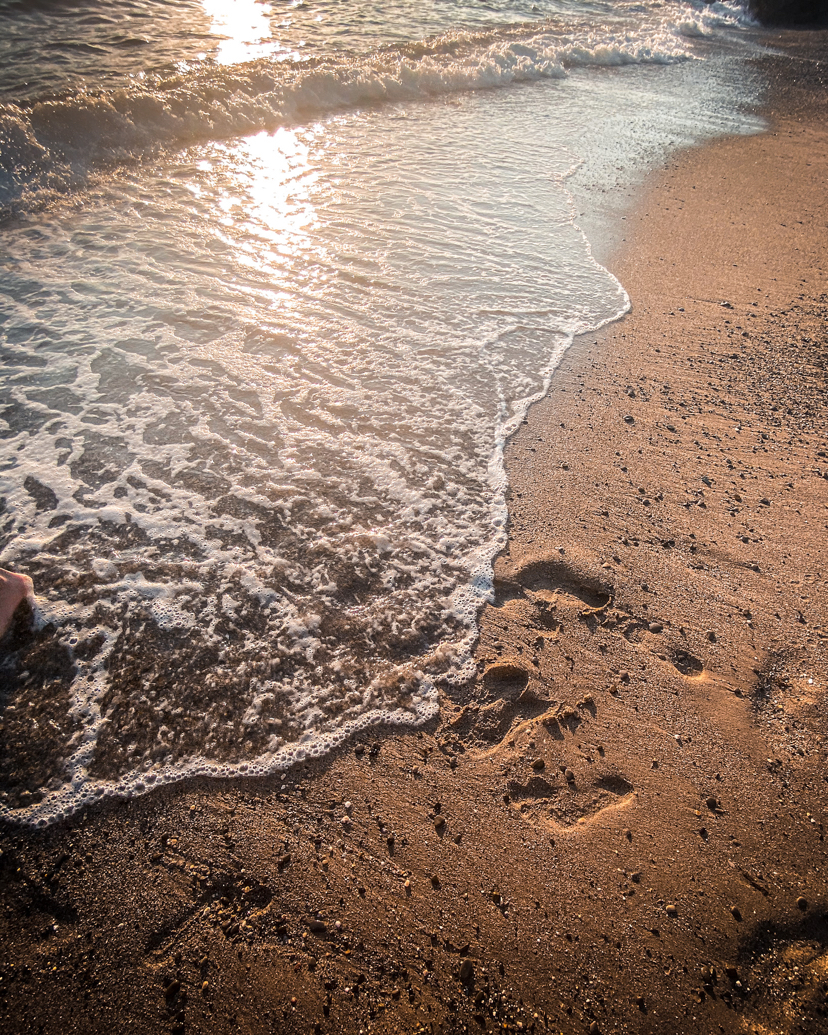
619, 826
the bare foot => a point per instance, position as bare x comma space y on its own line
13, 590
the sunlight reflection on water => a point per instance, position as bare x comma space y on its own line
271, 202
244, 30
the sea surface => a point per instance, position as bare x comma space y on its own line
277, 281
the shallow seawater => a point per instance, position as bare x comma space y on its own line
276, 289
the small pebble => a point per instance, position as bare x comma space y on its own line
736, 912
802, 903
569, 776
671, 910
538, 764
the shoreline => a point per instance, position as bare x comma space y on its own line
619, 826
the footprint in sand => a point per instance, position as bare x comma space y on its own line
567, 803
553, 581
505, 680
507, 698
556, 589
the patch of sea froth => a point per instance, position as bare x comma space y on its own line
50, 146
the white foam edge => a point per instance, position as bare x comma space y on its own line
80, 791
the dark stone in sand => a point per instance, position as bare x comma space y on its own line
789, 12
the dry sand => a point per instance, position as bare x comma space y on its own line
620, 826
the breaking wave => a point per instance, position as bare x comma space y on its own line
51, 145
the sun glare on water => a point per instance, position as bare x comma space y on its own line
244, 29
269, 205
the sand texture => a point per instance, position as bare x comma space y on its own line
620, 825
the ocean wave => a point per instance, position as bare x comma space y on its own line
51, 145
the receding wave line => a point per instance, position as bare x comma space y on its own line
50, 147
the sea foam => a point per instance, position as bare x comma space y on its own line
257, 387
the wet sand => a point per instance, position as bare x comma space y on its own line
620, 825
